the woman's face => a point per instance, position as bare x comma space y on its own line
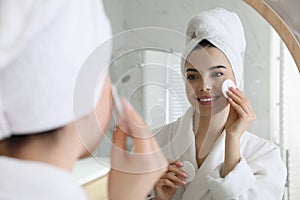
205, 71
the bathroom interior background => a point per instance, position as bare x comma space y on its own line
271, 77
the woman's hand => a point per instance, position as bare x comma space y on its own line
240, 117
241, 114
167, 185
132, 176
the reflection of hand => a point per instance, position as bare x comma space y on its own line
133, 176
240, 117
167, 185
241, 114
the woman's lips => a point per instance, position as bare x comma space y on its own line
207, 100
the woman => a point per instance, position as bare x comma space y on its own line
44, 126
230, 162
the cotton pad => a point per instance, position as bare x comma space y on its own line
189, 169
227, 84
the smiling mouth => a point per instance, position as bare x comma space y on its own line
206, 99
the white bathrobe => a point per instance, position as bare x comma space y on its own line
260, 174
31, 180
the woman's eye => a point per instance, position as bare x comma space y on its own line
191, 77
217, 74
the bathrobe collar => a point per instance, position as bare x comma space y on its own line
199, 186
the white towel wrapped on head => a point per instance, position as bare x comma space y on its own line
43, 45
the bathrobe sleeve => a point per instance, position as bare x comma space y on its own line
261, 176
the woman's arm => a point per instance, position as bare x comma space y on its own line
133, 176
240, 117
262, 175
232, 154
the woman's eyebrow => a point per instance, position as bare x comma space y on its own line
217, 67
191, 70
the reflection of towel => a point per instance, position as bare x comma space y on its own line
43, 44
223, 29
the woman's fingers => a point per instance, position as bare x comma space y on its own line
177, 163
240, 99
119, 138
177, 171
246, 103
166, 182
147, 156
142, 137
237, 107
172, 177
240, 104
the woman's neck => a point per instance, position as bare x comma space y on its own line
215, 123
207, 129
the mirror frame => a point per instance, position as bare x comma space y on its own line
280, 26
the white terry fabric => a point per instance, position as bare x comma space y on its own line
224, 30
43, 45
260, 174
29, 180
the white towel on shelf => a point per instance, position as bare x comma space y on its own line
43, 45
224, 30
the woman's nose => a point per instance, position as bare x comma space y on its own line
205, 85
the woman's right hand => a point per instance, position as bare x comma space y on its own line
133, 175
168, 184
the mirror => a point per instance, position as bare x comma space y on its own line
288, 106
282, 15
271, 74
